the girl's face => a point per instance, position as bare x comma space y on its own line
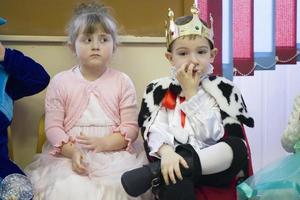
186, 51
94, 50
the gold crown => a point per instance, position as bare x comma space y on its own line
193, 27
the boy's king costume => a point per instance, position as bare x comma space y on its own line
233, 109
164, 91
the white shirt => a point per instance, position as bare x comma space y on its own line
203, 124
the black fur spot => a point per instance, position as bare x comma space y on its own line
243, 104
247, 121
150, 87
241, 110
226, 90
142, 131
236, 97
144, 113
175, 89
211, 78
158, 95
223, 114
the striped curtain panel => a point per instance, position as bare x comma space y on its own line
286, 31
214, 8
253, 34
242, 20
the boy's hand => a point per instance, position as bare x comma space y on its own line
2, 52
188, 75
170, 164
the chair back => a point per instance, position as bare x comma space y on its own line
10, 144
41, 137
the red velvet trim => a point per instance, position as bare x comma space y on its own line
215, 193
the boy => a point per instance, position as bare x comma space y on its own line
20, 76
191, 121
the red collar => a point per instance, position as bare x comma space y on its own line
169, 101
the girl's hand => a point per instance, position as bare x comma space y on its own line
95, 144
170, 164
69, 150
77, 162
189, 76
2, 52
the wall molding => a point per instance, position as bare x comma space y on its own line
128, 39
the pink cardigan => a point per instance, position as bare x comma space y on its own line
68, 95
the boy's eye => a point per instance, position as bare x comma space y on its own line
202, 52
183, 53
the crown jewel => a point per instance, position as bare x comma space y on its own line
193, 27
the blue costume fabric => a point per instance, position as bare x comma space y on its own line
20, 76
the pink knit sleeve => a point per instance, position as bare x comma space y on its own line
128, 112
54, 116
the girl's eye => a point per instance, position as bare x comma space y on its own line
87, 40
103, 39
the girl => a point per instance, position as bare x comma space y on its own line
281, 179
91, 118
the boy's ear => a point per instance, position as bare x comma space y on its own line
213, 54
169, 56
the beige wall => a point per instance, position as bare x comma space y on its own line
142, 62
134, 17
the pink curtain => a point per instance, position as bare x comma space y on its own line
286, 14
243, 53
214, 7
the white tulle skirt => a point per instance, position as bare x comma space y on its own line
54, 179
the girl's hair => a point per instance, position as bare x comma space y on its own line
88, 16
184, 20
